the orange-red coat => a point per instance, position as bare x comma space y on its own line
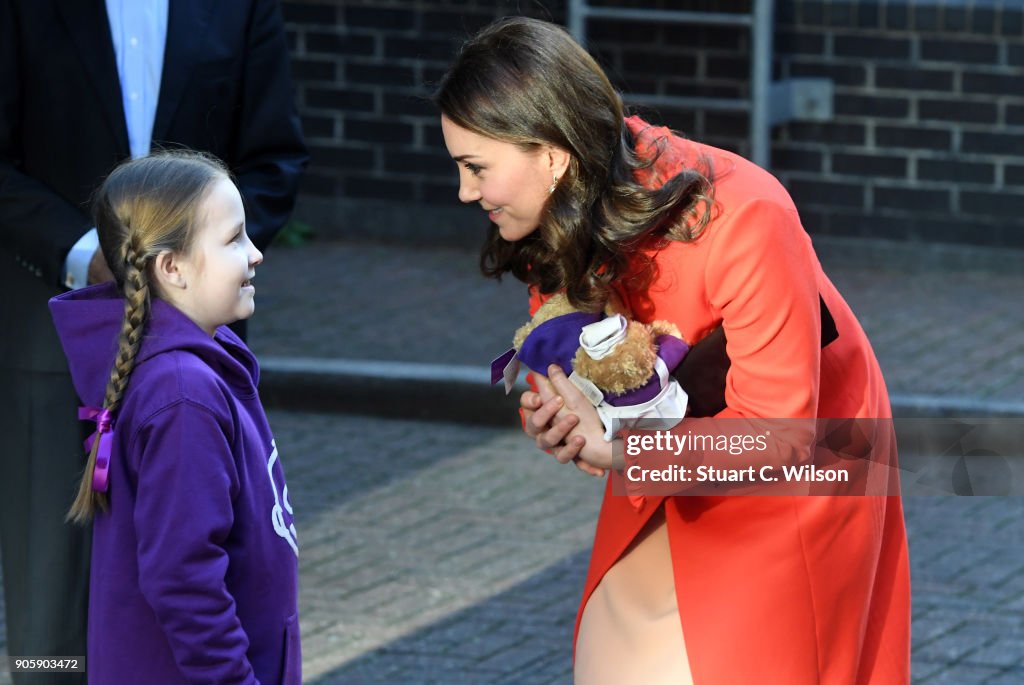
786, 590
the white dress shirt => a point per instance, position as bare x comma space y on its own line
139, 31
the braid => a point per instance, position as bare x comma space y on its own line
136, 312
144, 207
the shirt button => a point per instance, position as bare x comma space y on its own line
134, 42
134, 96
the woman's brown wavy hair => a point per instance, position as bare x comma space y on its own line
527, 82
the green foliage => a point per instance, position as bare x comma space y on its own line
294, 234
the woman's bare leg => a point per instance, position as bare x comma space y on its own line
630, 631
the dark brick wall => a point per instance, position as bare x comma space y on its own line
926, 142
926, 138
363, 72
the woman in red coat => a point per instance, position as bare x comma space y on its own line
584, 201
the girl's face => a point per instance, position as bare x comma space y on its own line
511, 185
218, 269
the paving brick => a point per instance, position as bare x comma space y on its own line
1012, 677
960, 674
1003, 653
952, 647
428, 548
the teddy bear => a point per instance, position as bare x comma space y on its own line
621, 365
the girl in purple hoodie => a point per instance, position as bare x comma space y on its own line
195, 556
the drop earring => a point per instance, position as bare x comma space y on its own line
554, 184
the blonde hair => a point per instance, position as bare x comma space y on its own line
146, 206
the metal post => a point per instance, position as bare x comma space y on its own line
760, 82
814, 98
578, 21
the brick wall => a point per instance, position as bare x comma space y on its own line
926, 144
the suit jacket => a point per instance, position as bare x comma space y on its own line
225, 89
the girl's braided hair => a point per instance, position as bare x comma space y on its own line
145, 207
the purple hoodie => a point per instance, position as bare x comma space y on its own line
195, 564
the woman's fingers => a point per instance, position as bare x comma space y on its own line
570, 452
548, 429
587, 468
539, 421
554, 436
596, 451
544, 387
530, 401
560, 385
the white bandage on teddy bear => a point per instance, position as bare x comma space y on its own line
623, 366
661, 412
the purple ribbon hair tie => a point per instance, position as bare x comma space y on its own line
104, 433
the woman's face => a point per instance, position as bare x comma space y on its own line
509, 184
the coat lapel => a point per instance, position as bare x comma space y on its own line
87, 23
187, 22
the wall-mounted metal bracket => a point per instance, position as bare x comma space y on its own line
802, 99
769, 103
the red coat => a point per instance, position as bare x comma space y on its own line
786, 590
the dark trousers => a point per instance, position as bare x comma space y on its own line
45, 560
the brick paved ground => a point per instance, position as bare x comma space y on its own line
445, 553
450, 553
936, 332
436, 552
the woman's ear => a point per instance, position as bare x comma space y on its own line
558, 160
169, 271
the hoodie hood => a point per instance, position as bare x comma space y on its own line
88, 322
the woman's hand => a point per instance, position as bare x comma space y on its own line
99, 272
549, 425
595, 450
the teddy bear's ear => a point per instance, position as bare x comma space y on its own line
557, 305
521, 333
666, 328
615, 305
554, 306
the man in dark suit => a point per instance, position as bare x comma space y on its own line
69, 111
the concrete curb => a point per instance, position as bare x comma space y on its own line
448, 392
944, 406
436, 392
